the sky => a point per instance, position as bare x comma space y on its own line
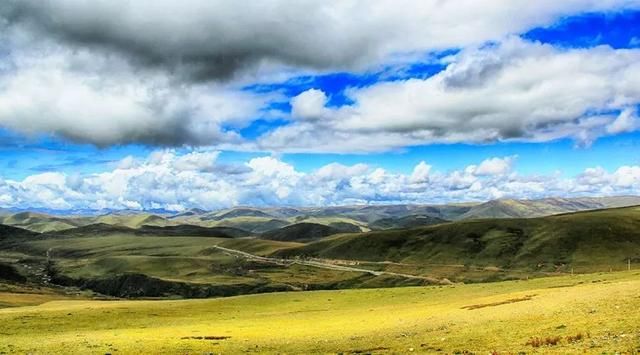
165, 105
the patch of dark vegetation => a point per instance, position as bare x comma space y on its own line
368, 351
537, 342
563, 286
345, 227
207, 337
511, 300
300, 232
9, 273
192, 231
132, 285
10, 236
180, 230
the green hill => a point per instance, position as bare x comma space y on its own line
99, 256
237, 212
300, 232
37, 222
133, 220
405, 222
252, 224
585, 241
102, 229
10, 232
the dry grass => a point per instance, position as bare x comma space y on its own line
537, 342
574, 338
421, 318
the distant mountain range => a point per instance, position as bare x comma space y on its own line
338, 218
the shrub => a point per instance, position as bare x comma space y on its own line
575, 338
537, 342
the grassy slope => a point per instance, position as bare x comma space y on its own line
412, 221
427, 319
332, 220
586, 241
36, 222
19, 295
248, 223
507, 208
300, 232
186, 259
133, 221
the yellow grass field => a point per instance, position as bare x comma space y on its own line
597, 313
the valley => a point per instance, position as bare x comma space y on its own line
396, 282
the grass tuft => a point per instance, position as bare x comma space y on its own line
537, 342
575, 338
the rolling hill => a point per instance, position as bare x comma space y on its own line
206, 260
585, 241
405, 222
300, 232
237, 212
255, 225
507, 208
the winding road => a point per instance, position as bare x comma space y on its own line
319, 264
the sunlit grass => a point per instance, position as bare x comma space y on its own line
603, 308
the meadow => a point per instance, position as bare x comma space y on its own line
594, 313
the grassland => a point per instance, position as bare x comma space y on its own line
19, 295
584, 242
595, 313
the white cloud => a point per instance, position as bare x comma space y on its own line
495, 166
627, 121
335, 171
68, 94
309, 105
198, 161
173, 181
512, 91
420, 173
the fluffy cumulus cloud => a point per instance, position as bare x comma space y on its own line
494, 166
514, 90
169, 180
87, 98
169, 73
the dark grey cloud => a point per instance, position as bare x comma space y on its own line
213, 39
197, 40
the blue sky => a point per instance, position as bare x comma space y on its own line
307, 107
